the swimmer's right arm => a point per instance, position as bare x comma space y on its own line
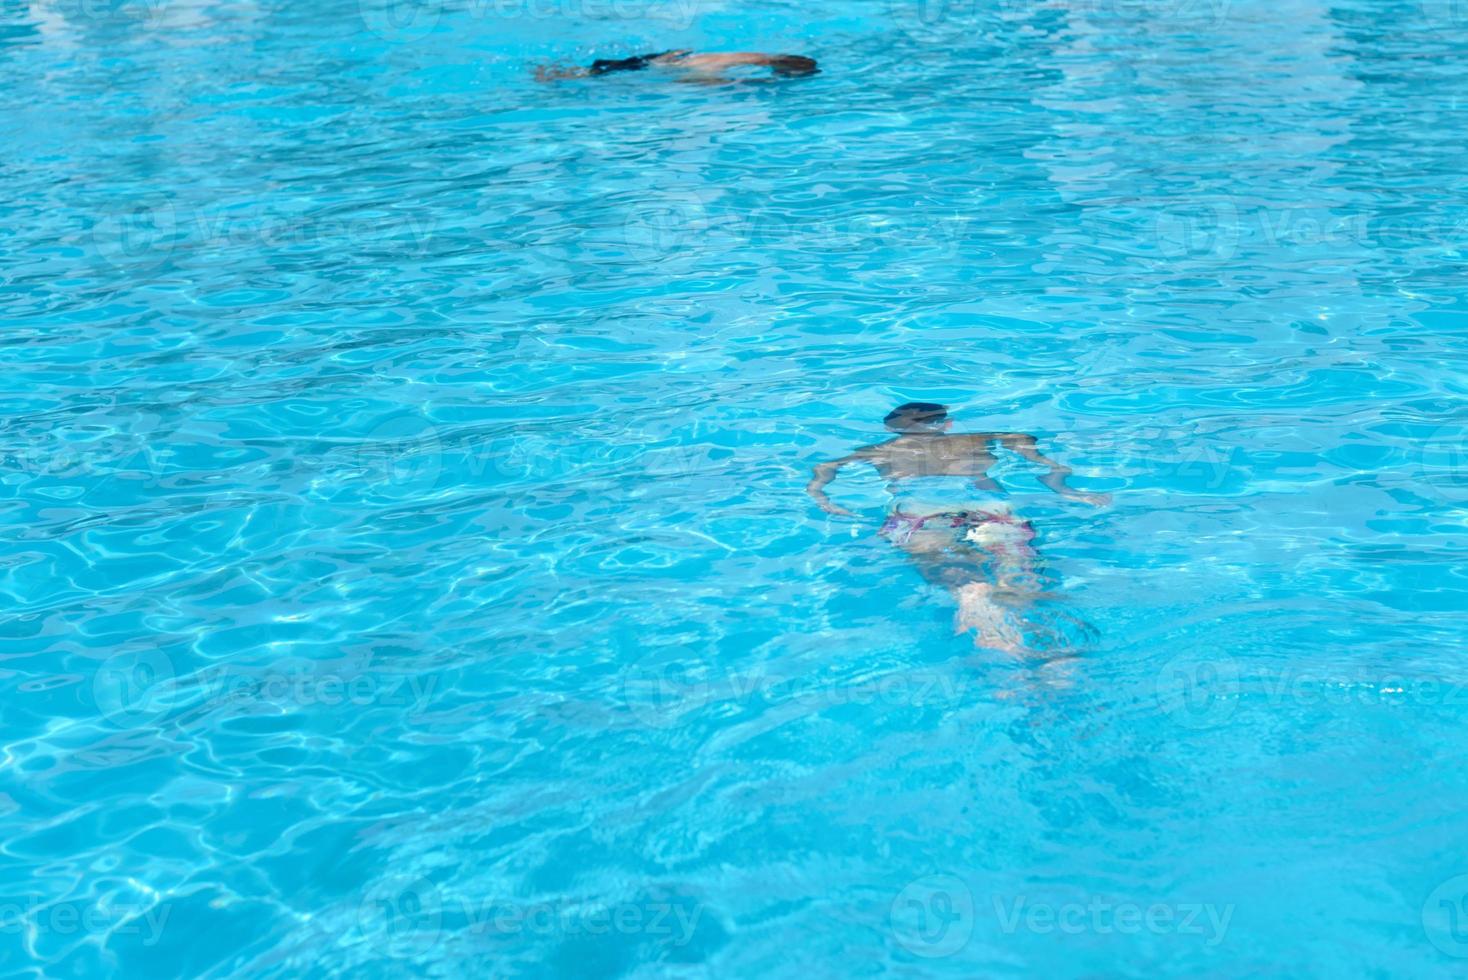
554, 73
1026, 446
824, 474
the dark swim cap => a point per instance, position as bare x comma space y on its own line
793, 64
916, 415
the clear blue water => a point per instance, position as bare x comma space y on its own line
406, 565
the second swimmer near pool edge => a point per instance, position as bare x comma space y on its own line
689, 66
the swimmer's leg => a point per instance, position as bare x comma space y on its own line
1020, 586
993, 612
995, 624
1000, 590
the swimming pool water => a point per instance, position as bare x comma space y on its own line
407, 569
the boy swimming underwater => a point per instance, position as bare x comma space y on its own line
690, 65
977, 549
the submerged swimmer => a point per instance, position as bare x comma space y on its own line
980, 551
691, 65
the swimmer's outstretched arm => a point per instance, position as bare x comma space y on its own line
1025, 446
824, 474
553, 73
718, 62
780, 64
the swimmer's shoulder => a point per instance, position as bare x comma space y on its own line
876, 451
982, 440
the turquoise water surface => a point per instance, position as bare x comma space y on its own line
406, 563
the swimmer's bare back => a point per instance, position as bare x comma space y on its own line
690, 65
926, 448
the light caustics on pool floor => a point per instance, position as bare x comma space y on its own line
407, 567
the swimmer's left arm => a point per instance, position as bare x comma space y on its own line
718, 62
824, 474
1026, 446
553, 73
